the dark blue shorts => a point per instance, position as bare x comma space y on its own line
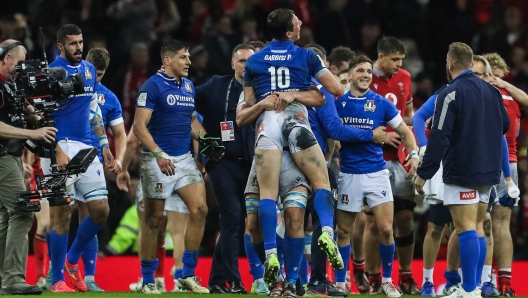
439, 214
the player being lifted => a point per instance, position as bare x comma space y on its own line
285, 68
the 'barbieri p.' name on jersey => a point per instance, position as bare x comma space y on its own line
366, 112
282, 67
172, 106
67, 119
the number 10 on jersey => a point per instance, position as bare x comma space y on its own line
280, 77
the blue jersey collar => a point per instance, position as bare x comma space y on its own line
281, 43
461, 74
66, 62
362, 97
166, 76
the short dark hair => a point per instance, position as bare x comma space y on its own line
99, 57
257, 44
319, 47
242, 46
358, 60
280, 21
390, 45
339, 55
65, 30
171, 47
461, 55
343, 71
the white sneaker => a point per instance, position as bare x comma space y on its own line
41, 282
150, 289
192, 283
136, 286
461, 293
390, 290
160, 284
177, 289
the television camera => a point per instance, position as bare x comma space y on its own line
47, 90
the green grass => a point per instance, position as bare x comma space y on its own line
179, 295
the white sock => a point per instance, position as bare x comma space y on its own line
89, 278
494, 277
486, 274
329, 231
270, 251
340, 284
386, 279
461, 276
427, 276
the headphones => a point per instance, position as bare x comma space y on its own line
4, 51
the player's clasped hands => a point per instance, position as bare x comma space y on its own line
166, 166
284, 99
379, 135
393, 139
268, 103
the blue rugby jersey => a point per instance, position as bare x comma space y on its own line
281, 67
366, 112
73, 120
172, 106
111, 112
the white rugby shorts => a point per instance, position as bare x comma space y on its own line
87, 186
354, 189
462, 195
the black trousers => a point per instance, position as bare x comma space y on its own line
228, 179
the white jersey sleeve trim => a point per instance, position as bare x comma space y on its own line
116, 121
396, 121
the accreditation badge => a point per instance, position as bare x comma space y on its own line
228, 131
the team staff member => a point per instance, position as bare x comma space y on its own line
217, 100
467, 103
14, 224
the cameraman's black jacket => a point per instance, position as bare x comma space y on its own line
9, 115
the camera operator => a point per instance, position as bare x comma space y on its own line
14, 224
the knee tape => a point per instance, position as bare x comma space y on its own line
405, 240
403, 204
295, 199
308, 243
300, 138
98, 193
252, 205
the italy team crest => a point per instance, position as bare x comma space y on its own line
159, 187
370, 106
87, 73
100, 99
188, 87
344, 199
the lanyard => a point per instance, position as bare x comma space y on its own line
227, 98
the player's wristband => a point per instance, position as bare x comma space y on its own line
103, 141
160, 154
414, 154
